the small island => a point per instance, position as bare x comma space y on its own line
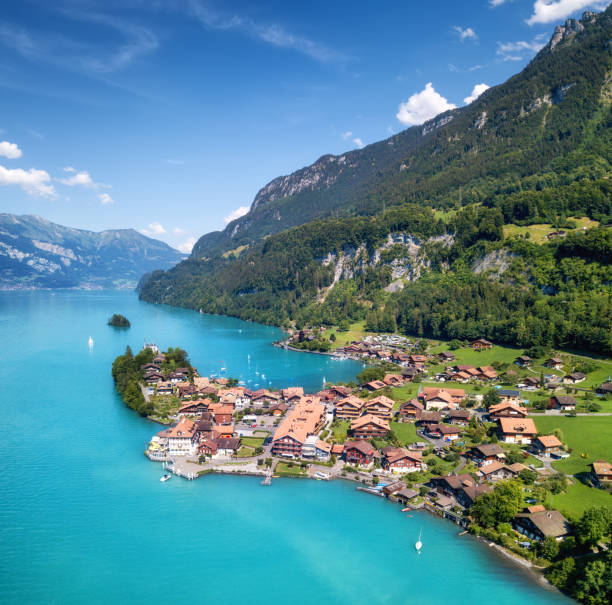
119, 321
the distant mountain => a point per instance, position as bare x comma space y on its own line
464, 155
36, 253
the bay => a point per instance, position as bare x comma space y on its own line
84, 518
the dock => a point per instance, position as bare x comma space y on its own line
268, 479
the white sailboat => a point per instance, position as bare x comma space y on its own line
419, 544
91, 343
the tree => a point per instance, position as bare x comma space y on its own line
370, 374
560, 573
548, 548
527, 476
591, 584
594, 524
491, 398
499, 506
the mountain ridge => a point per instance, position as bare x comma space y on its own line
38, 253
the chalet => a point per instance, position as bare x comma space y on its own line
159, 359
545, 445
441, 400
323, 450
153, 377
523, 361
359, 453
405, 495
194, 407
400, 460
348, 408
486, 373
605, 388
380, 406
556, 363
150, 366
451, 484
200, 382
529, 382
428, 419
509, 395
480, 344
542, 524
446, 356
392, 488
339, 392
181, 438
369, 427
220, 381
494, 472
459, 417
278, 409
517, 430
456, 395
223, 431
601, 473
487, 453
375, 385
393, 380
410, 411
399, 358
292, 394
337, 450
516, 468
228, 447
408, 374
165, 388
449, 432
204, 429
466, 494
565, 403
507, 410
208, 448
263, 397
222, 413
574, 378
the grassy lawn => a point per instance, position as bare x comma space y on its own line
356, 331
589, 435
579, 498
339, 429
405, 431
467, 356
283, 470
404, 393
538, 233
245, 452
252, 441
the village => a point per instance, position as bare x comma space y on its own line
462, 432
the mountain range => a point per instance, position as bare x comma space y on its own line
433, 231
36, 253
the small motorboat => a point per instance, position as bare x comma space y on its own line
419, 544
165, 477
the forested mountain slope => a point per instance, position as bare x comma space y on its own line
422, 243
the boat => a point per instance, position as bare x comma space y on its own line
90, 342
165, 477
419, 544
321, 476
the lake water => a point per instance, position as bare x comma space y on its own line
84, 518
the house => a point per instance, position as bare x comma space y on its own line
150, 366
456, 395
516, 468
223, 431
507, 410
392, 488
369, 427
428, 419
480, 344
449, 432
556, 363
486, 373
348, 408
446, 356
529, 382
228, 447
359, 453
486, 453
393, 380
605, 388
542, 524
159, 359
194, 407
517, 430
565, 403
460, 417
181, 438
408, 374
545, 445
263, 397
439, 401
278, 409
401, 460
601, 472
292, 394
304, 420
323, 450
574, 378
165, 388
339, 392
494, 472
375, 385
523, 361
380, 406
337, 450
222, 413
451, 484
509, 395
466, 494
410, 411
208, 448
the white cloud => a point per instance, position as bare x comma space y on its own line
154, 228
465, 34
178, 231
346, 135
422, 106
234, 214
105, 199
515, 51
69, 169
33, 182
359, 142
80, 178
497, 2
10, 150
548, 11
475, 67
174, 162
476, 92
187, 246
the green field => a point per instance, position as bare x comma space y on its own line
538, 233
283, 470
252, 441
356, 331
405, 432
588, 435
578, 498
339, 429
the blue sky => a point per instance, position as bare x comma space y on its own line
168, 116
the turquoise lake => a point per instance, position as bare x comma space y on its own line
84, 518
